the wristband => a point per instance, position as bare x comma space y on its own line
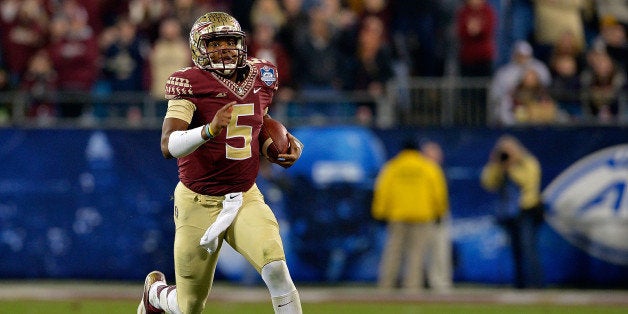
208, 132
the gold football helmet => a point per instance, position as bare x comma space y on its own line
207, 53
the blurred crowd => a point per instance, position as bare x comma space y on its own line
550, 60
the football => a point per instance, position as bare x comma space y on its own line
273, 139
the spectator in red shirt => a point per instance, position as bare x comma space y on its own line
75, 56
24, 29
476, 25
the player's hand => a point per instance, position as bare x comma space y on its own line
294, 153
221, 118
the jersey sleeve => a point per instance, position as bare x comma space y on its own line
181, 109
268, 73
179, 84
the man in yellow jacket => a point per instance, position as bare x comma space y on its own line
410, 194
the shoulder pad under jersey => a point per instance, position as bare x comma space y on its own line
267, 72
186, 83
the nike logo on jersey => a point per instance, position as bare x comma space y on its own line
255, 90
221, 95
232, 196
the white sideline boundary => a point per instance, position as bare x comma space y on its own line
82, 290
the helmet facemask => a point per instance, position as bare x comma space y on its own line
218, 27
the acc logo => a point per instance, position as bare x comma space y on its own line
588, 204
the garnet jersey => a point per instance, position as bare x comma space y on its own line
230, 161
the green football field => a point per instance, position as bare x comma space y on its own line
33, 297
93, 306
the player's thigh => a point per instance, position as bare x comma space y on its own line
192, 261
194, 266
255, 232
193, 214
194, 269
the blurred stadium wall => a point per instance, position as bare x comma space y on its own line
96, 204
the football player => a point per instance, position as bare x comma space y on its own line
214, 116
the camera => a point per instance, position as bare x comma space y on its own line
503, 156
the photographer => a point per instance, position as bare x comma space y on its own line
514, 173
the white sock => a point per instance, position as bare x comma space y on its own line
164, 297
153, 297
288, 303
283, 293
173, 305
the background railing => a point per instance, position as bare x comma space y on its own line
415, 101
88, 196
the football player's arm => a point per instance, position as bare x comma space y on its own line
177, 119
176, 140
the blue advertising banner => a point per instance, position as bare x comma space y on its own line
97, 204
84, 204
